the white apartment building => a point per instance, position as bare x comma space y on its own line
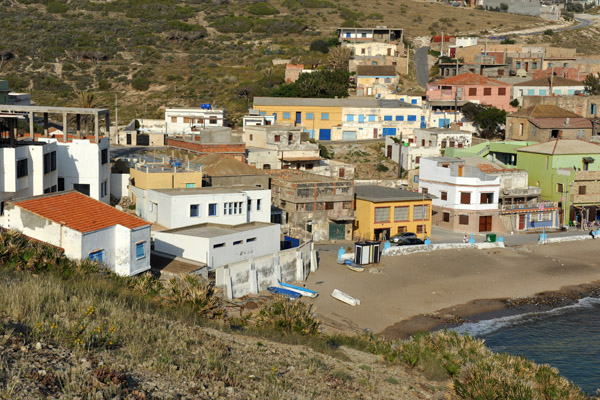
442, 138
28, 168
188, 120
84, 228
176, 208
84, 166
217, 245
466, 197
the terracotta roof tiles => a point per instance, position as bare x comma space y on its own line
78, 211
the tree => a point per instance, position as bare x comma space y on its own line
489, 119
320, 45
592, 84
339, 57
322, 84
84, 99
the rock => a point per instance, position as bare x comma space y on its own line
38, 346
23, 349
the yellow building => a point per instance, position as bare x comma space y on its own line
388, 211
154, 175
316, 116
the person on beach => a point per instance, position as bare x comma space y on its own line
593, 234
465, 239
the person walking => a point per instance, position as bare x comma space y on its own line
465, 239
593, 234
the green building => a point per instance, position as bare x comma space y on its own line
4, 90
568, 172
505, 151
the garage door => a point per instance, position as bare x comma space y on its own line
389, 131
324, 134
337, 231
348, 135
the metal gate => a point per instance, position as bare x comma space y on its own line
143, 140
337, 231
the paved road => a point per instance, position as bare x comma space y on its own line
421, 66
584, 20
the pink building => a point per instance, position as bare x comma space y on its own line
471, 87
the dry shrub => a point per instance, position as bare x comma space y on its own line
196, 292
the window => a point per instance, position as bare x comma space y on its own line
463, 219
387, 118
371, 118
519, 64
258, 204
277, 138
347, 205
238, 242
96, 255
324, 116
329, 205
559, 188
487, 91
190, 185
309, 166
581, 189
218, 245
382, 214
139, 250
446, 217
413, 101
400, 213
22, 169
61, 184
266, 166
186, 120
411, 118
501, 91
82, 188
420, 212
1, 208
534, 65
399, 117
174, 120
444, 196
417, 159
472, 91
593, 109
104, 156
212, 120
420, 228
465, 198
104, 188
424, 190
286, 115
212, 209
310, 116
486, 198
349, 118
49, 162
53, 189
251, 240
194, 210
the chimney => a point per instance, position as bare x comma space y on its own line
567, 120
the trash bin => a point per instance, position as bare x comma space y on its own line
490, 237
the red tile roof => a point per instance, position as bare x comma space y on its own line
78, 211
469, 79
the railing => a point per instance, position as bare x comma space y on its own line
530, 205
483, 151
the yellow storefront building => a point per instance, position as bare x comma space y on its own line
382, 212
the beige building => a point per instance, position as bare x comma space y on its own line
541, 123
373, 80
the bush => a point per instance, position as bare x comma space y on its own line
142, 84
262, 8
57, 7
288, 316
549, 32
320, 45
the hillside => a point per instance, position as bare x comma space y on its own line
156, 53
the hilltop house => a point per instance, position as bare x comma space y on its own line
375, 80
84, 228
374, 46
547, 86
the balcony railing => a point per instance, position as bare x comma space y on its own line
530, 205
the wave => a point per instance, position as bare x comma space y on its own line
485, 327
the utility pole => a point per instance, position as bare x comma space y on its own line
400, 157
407, 58
442, 51
117, 118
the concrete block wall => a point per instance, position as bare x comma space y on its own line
254, 275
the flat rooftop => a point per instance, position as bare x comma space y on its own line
206, 190
209, 230
301, 177
53, 109
381, 194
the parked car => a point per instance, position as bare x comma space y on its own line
401, 237
410, 242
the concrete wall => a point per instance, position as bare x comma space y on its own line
164, 180
119, 185
202, 248
257, 274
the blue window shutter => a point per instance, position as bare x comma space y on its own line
139, 250
412, 118
387, 118
361, 118
413, 101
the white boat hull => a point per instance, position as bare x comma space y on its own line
346, 298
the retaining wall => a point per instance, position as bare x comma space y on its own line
402, 250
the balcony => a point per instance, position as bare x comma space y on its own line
532, 205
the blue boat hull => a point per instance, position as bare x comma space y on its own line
284, 292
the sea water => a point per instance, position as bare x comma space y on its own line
567, 338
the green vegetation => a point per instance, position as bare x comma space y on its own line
322, 83
592, 84
488, 119
262, 8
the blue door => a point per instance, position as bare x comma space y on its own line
96, 256
442, 123
389, 131
298, 117
324, 134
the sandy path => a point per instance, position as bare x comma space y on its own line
403, 287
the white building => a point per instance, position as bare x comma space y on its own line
547, 86
442, 138
28, 168
84, 228
176, 208
255, 119
84, 166
466, 197
217, 245
187, 120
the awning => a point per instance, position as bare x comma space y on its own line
588, 160
342, 218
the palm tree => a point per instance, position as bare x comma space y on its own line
84, 99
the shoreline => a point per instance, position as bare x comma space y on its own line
487, 309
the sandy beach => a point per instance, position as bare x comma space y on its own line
410, 293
